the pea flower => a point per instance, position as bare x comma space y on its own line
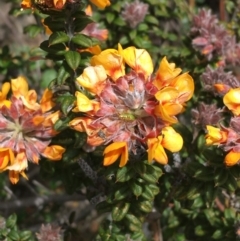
59, 4
228, 138
131, 111
26, 128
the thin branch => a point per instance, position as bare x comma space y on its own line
39, 201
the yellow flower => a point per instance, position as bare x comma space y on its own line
172, 140
54, 152
20, 90
114, 151
3, 95
83, 103
101, 3
93, 79
46, 101
232, 158
215, 136
232, 101
112, 62
166, 73
156, 151
139, 60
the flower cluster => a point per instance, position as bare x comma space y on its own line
228, 138
134, 13
131, 111
218, 82
26, 128
213, 39
59, 4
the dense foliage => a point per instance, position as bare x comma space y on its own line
136, 134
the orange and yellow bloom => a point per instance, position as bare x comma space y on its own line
131, 111
26, 128
228, 138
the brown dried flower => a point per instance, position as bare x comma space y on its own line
134, 13
209, 36
206, 114
218, 81
49, 233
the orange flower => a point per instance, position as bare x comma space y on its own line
26, 4
101, 3
232, 158
14, 176
6, 156
54, 152
232, 101
215, 136
114, 151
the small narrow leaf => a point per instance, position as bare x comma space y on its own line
73, 59
58, 37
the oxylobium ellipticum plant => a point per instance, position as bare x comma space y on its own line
154, 145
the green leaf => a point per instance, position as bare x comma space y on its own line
124, 174
47, 76
13, 235
154, 188
121, 193
81, 22
104, 207
55, 24
119, 211
25, 235
137, 236
148, 193
132, 34
151, 19
63, 74
110, 17
73, 59
58, 37
57, 49
137, 224
84, 40
221, 176
204, 174
136, 189
11, 221
145, 206
67, 102
218, 234
32, 30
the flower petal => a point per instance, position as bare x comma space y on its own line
139, 60
232, 158
232, 101
114, 151
54, 152
172, 140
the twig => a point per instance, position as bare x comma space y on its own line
39, 201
